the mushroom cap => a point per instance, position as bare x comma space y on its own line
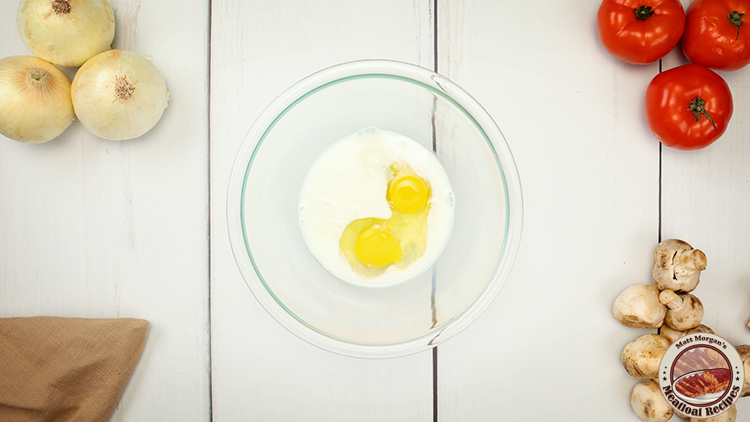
677, 266
688, 316
700, 328
730, 415
649, 403
673, 335
642, 356
638, 307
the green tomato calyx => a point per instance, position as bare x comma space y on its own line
643, 12
697, 108
735, 18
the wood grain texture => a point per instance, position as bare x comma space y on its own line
96, 228
260, 371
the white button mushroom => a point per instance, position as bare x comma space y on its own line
677, 266
673, 335
684, 311
649, 403
641, 357
638, 306
700, 328
744, 352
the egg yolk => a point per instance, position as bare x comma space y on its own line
377, 247
372, 245
408, 194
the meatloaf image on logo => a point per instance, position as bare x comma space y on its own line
708, 369
707, 382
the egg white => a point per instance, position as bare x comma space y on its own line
348, 181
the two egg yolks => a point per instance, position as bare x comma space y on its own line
400, 239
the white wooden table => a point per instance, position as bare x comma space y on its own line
96, 228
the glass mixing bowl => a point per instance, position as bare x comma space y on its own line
263, 200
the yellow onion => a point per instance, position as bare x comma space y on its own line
35, 103
66, 32
119, 95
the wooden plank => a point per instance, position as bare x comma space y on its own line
96, 228
705, 201
548, 347
260, 371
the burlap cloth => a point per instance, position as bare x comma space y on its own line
66, 369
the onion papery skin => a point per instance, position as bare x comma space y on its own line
111, 112
68, 38
33, 114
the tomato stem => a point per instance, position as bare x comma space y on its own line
643, 12
735, 18
696, 106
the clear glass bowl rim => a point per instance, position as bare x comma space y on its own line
300, 90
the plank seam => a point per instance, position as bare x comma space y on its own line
659, 215
208, 228
434, 277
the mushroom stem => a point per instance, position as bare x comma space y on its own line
694, 260
672, 300
684, 311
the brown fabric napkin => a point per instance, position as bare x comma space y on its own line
55, 369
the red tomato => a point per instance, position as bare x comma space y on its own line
640, 31
715, 35
688, 107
